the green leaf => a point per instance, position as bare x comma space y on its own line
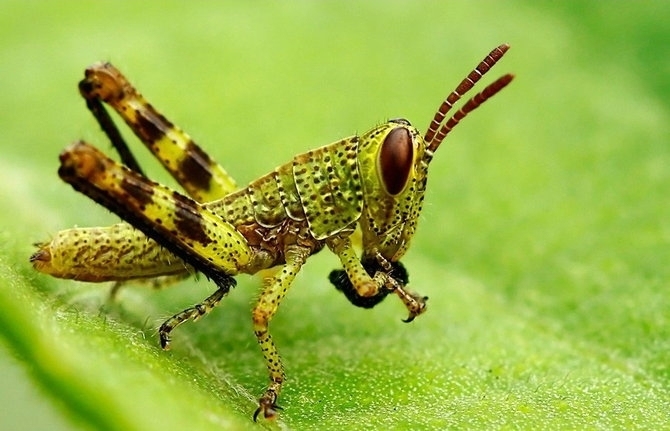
543, 246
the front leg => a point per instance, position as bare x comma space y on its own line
274, 290
398, 278
367, 282
365, 285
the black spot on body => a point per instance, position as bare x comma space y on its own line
138, 190
188, 221
158, 233
195, 169
151, 126
86, 87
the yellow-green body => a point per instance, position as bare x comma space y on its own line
318, 195
374, 183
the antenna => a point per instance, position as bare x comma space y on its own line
438, 128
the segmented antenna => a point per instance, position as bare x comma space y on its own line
437, 131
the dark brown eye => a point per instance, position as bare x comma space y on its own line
395, 160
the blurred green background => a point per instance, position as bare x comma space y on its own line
543, 245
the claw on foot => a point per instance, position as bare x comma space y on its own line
267, 405
416, 306
164, 335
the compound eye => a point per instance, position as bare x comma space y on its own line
396, 158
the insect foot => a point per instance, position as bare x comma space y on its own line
194, 313
267, 404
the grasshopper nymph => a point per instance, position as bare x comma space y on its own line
374, 182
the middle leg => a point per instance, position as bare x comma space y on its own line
274, 290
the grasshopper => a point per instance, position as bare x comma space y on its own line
373, 183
